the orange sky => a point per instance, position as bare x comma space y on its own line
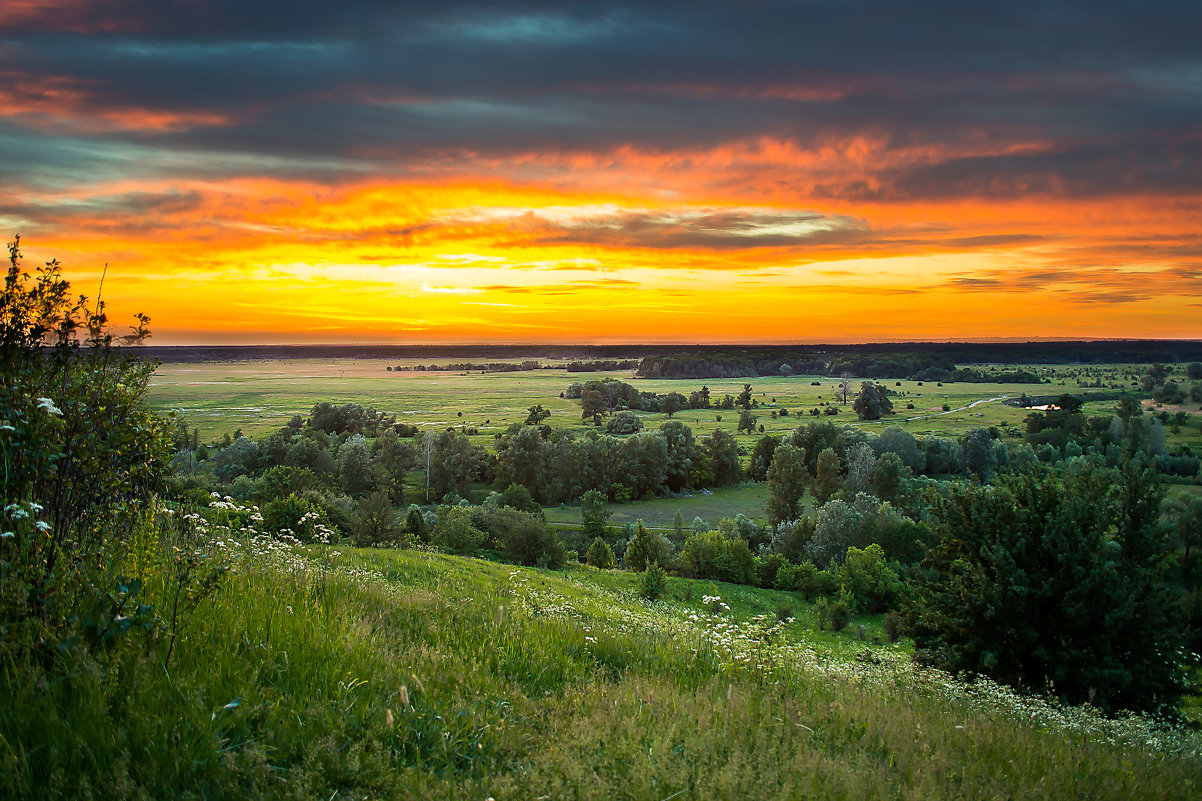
763, 209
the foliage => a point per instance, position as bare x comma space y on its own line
714, 556
82, 455
1057, 580
455, 532
787, 482
599, 554
872, 402
652, 582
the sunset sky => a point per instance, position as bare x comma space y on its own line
611, 172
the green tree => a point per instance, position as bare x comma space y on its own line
652, 582
537, 415
723, 451
415, 524
83, 455
1057, 580
826, 479
787, 482
672, 403
599, 554
746, 422
394, 459
643, 549
354, 466
744, 399
872, 402
592, 404
594, 514
375, 521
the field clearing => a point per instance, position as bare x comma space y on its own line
748, 500
260, 396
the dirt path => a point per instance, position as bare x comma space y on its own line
961, 408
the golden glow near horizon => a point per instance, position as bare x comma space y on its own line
485, 261
572, 175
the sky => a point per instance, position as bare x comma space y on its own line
434, 172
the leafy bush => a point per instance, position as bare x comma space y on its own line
599, 554
652, 582
714, 556
455, 531
871, 584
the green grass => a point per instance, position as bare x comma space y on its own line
260, 396
747, 500
401, 674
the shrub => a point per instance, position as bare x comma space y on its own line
599, 554
713, 556
870, 584
652, 582
624, 423
455, 531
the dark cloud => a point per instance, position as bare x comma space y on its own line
1109, 89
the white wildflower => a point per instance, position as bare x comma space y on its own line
49, 407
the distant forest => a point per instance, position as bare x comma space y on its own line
923, 361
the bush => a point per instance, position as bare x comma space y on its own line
600, 555
645, 548
523, 537
870, 584
624, 423
713, 556
455, 531
652, 582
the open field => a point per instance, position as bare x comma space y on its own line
259, 396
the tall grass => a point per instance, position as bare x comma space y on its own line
327, 672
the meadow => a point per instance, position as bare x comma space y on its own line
260, 396
331, 672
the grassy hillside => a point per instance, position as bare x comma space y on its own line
338, 673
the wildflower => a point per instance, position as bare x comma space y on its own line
49, 407
8, 535
42, 525
7, 427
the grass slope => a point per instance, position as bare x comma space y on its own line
341, 673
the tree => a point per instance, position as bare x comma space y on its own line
787, 481
644, 549
682, 450
375, 521
593, 514
592, 404
979, 454
455, 464
1055, 580
83, 455
354, 466
861, 468
672, 403
744, 399
624, 423
746, 422
826, 478
393, 461
537, 415
723, 451
888, 477
415, 524
845, 382
599, 554
873, 402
